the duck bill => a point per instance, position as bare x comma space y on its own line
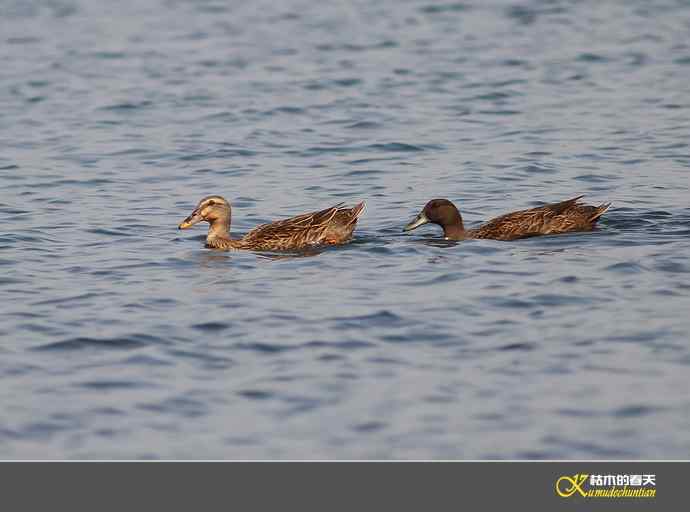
420, 220
191, 220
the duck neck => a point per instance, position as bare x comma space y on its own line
454, 232
219, 228
455, 229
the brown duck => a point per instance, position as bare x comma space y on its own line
326, 227
549, 219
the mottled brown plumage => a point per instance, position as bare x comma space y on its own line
549, 219
326, 227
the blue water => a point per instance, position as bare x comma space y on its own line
122, 337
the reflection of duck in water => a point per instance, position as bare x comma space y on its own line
327, 227
549, 219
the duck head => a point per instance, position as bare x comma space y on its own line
441, 212
213, 209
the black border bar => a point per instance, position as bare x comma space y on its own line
325, 486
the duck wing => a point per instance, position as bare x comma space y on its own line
293, 233
551, 218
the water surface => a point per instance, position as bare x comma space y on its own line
124, 338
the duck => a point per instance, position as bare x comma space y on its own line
331, 226
563, 217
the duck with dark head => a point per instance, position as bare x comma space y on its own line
565, 216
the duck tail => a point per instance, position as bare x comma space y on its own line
601, 209
558, 208
356, 212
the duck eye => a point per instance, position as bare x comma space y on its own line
211, 203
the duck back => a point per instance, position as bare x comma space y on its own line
562, 217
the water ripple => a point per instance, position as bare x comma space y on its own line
125, 337
80, 343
